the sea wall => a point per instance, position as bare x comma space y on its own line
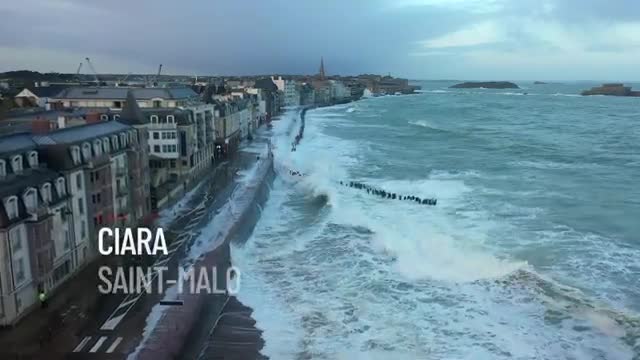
235, 221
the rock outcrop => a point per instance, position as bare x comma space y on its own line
614, 89
486, 85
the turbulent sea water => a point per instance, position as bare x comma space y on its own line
533, 251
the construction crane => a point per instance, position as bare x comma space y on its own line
155, 82
78, 72
95, 74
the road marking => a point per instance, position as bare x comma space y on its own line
113, 322
114, 345
128, 302
98, 344
82, 344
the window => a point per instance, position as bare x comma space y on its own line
33, 159
165, 148
16, 240
79, 181
164, 135
123, 140
95, 198
156, 135
174, 148
117, 105
46, 192
30, 199
157, 103
114, 142
116, 116
16, 164
75, 155
81, 206
171, 119
154, 119
97, 147
173, 164
11, 207
19, 270
107, 146
104, 117
94, 176
156, 148
86, 151
61, 187
3, 168
83, 229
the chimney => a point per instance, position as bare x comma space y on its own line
40, 126
92, 117
62, 122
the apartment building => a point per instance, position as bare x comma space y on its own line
36, 227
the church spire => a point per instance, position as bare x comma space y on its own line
321, 74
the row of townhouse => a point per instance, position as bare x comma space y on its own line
186, 134
130, 152
57, 188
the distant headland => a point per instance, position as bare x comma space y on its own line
612, 89
486, 85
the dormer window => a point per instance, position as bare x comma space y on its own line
3, 168
115, 142
154, 119
30, 199
104, 117
171, 119
116, 116
11, 207
45, 192
33, 159
86, 151
61, 187
107, 147
123, 139
75, 155
97, 147
16, 164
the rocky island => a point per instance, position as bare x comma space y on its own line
539, 83
486, 85
614, 89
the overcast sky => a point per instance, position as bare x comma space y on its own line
420, 39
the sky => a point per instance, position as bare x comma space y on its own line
418, 39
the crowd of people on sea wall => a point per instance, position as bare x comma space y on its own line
387, 194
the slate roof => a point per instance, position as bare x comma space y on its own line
47, 91
120, 93
16, 143
80, 133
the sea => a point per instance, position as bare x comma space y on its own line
532, 252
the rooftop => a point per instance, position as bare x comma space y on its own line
120, 93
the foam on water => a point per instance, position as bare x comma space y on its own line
369, 278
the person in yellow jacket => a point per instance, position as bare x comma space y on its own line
42, 296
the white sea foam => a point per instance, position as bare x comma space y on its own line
373, 278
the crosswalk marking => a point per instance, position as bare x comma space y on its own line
98, 344
82, 344
114, 345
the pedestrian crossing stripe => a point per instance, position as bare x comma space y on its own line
101, 344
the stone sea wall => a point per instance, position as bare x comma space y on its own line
235, 221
